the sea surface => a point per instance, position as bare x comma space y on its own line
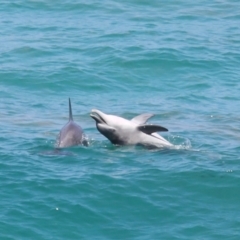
179, 60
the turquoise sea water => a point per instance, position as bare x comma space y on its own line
177, 59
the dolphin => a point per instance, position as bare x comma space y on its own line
121, 131
71, 134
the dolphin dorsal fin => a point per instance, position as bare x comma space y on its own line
70, 111
149, 129
142, 118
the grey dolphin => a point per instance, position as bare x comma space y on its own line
121, 131
71, 134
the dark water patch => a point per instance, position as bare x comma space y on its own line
56, 152
53, 6
232, 16
30, 52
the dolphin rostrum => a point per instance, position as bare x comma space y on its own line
121, 131
71, 134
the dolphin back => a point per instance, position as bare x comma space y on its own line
71, 134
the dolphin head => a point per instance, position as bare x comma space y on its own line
112, 127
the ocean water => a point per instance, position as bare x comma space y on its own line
176, 59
